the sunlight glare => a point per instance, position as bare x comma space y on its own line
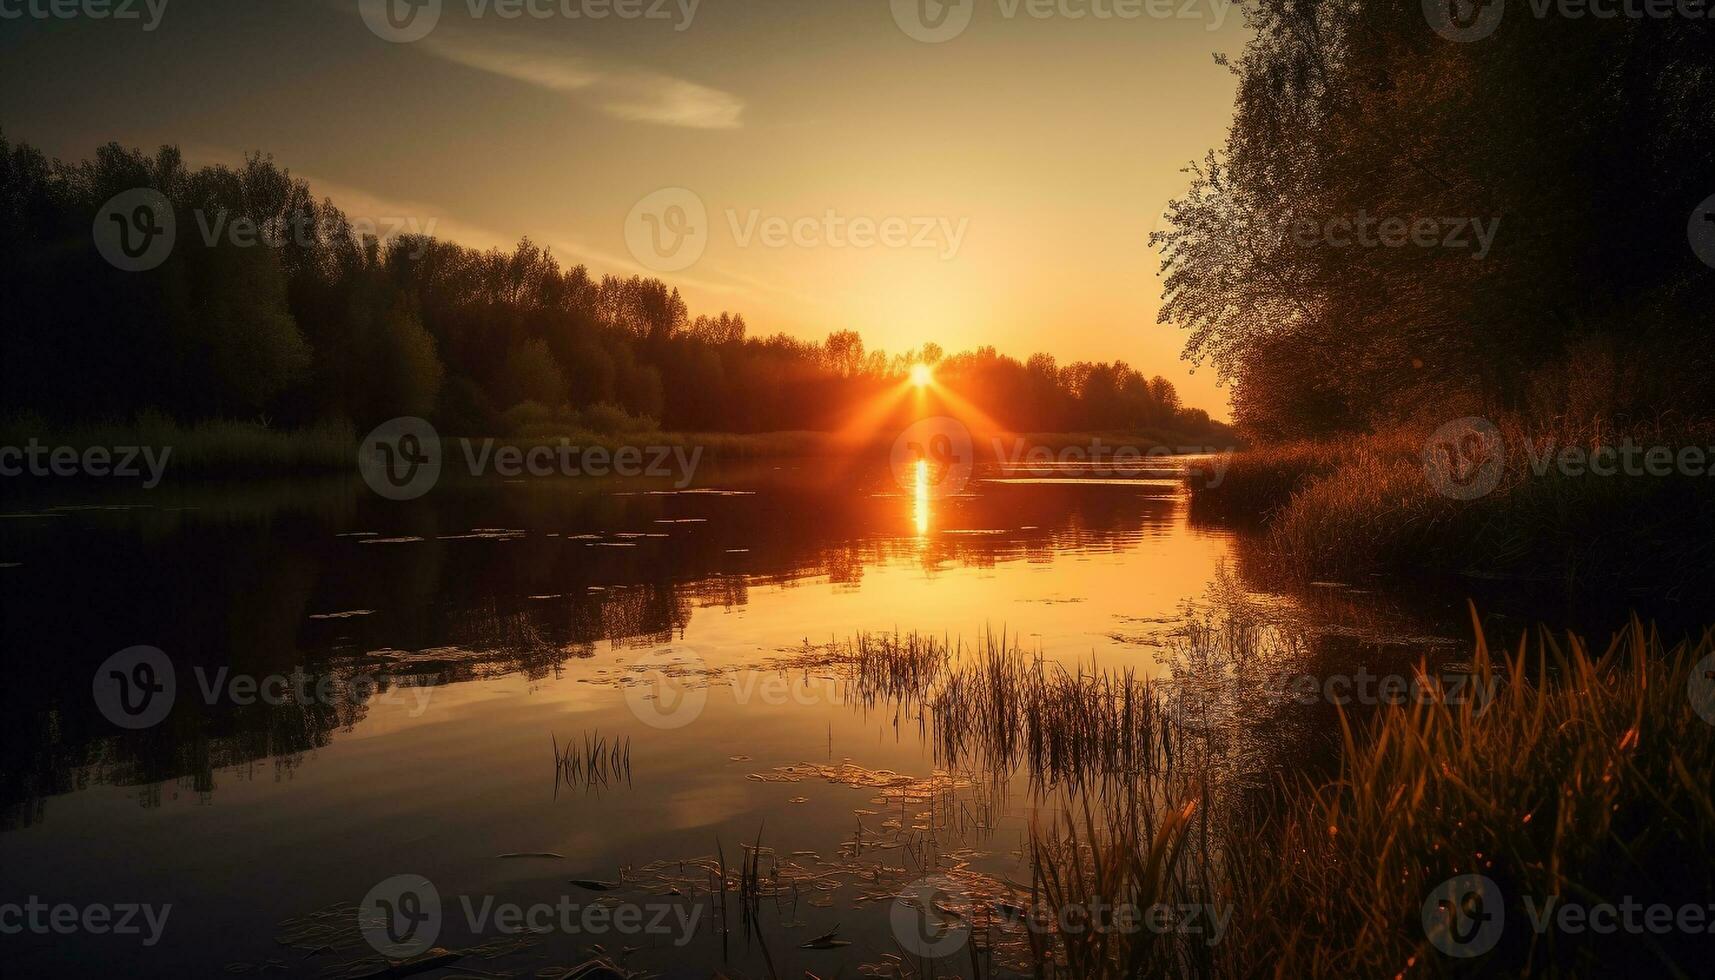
921, 375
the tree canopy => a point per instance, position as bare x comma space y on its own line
1583, 144
323, 321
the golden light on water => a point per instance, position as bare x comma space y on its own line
920, 491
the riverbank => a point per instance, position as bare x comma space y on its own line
225, 449
1486, 501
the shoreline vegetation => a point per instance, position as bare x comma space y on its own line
219, 448
1565, 774
1371, 504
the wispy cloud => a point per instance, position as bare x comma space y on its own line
619, 91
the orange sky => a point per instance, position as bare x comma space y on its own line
1048, 142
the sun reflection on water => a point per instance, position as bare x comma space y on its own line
920, 511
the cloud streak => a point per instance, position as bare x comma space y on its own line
633, 94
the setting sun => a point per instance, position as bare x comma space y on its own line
921, 375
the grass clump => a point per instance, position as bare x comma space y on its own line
1586, 781
1258, 481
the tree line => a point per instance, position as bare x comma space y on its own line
328, 321
1582, 145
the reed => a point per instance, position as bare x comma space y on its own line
996, 707
592, 762
1585, 779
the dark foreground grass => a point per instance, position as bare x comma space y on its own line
1586, 781
1583, 779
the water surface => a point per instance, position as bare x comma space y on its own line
510, 618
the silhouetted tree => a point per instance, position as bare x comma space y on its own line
1581, 144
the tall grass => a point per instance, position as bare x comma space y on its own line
1587, 780
1137, 858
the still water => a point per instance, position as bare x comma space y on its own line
362, 689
